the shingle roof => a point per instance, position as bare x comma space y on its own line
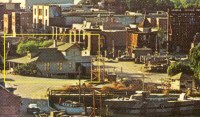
44, 55
23, 60
50, 54
64, 46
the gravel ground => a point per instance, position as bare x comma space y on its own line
34, 89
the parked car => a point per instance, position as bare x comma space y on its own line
33, 108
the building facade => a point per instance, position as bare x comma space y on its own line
45, 16
7, 8
7, 23
183, 25
18, 23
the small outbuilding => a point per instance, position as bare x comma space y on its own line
182, 81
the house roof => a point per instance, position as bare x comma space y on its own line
145, 23
50, 54
181, 76
23, 60
44, 55
64, 46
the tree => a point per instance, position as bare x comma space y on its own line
178, 67
33, 45
195, 59
27, 70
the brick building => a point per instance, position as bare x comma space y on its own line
10, 104
183, 25
22, 22
7, 8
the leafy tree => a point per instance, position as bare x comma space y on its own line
33, 45
178, 67
195, 59
27, 70
47, 43
186, 3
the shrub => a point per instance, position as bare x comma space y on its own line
178, 67
27, 70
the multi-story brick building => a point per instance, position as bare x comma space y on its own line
7, 8
22, 22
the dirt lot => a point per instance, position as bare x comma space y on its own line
34, 89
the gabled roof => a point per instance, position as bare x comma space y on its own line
145, 23
64, 46
181, 76
24, 60
50, 54
44, 55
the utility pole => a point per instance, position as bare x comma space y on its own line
79, 79
100, 104
94, 113
167, 48
91, 70
143, 81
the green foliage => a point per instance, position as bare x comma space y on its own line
47, 43
33, 45
178, 67
195, 59
186, 3
27, 70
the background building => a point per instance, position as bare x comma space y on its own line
183, 25
46, 15
25, 4
7, 8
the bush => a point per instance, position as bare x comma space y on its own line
27, 70
178, 67
194, 59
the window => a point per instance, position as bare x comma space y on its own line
40, 11
70, 64
46, 12
35, 11
47, 66
60, 66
